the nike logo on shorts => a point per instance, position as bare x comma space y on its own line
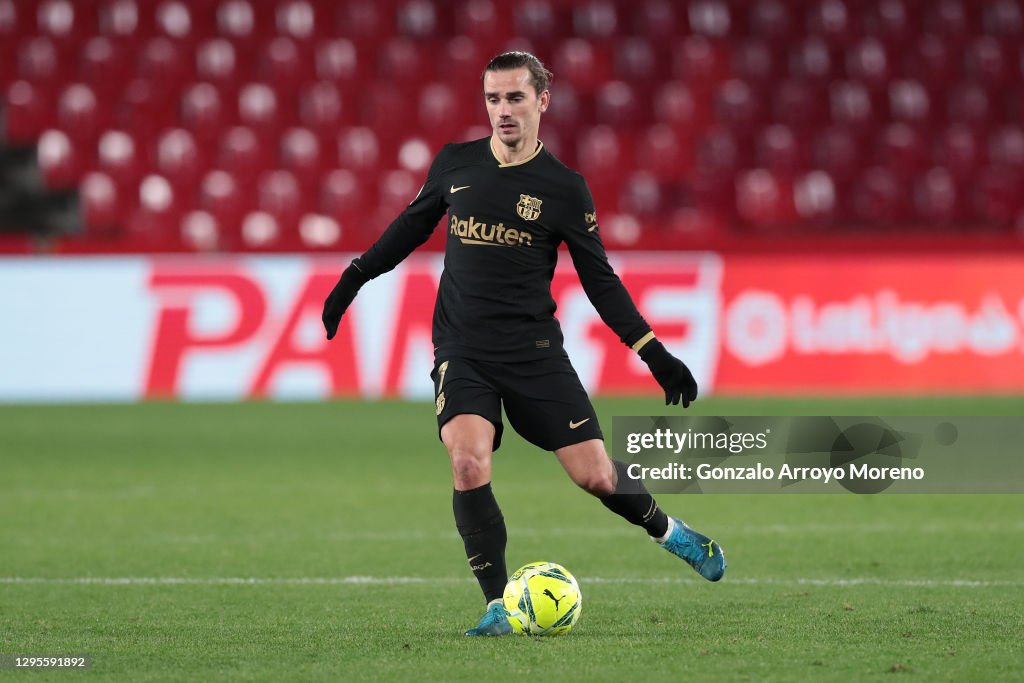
574, 425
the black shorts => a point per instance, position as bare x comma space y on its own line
544, 399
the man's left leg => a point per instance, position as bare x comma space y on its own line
588, 465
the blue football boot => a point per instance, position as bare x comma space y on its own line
696, 549
494, 622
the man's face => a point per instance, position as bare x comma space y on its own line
513, 105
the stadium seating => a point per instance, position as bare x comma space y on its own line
301, 124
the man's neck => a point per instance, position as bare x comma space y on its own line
520, 152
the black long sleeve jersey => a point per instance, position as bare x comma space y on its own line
505, 223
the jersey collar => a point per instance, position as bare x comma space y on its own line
540, 146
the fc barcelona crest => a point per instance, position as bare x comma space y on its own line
528, 207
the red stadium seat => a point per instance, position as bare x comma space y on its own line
868, 62
937, 199
337, 61
27, 113
58, 19
641, 195
156, 221
81, 114
440, 115
986, 62
737, 106
674, 105
754, 62
770, 20
388, 109
948, 19
259, 109
582, 64
300, 19
765, 200
237, 20
403, 62
481, 21
699, 62
300, 154
242, 154
838, 152
811, 60
635, 60
851, 105
261, 231
202, 112
931, 61
600, 157
174, 19
710, 18
104, 66
120, 158
417, 19
968, 103
161, 61
284, 65
101, 209
778, 150
199, 231
343, 196
145, 108
280, 195
414, 154
655, 20
815, 198
880, 198
321, 109
220, 196
39, 62
831, 20
217, 63
358, 149
1003, 18
1006, 147
595, 20
890, 21
365, 22
397, 188
661, 153
909, 102
902, 149
319, 232
798, 103
60, 163
536, 20
718, 152
119, 19
958, 149
179, 159
463, 59
617, 105
997, 197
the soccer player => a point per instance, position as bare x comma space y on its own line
510, 203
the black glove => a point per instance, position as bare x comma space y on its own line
672, 374
341, 297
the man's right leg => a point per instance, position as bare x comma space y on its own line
469, 440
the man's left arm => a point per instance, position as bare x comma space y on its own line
615, 306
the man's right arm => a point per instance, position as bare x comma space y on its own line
413, 226
411, 229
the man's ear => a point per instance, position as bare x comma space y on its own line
545, 100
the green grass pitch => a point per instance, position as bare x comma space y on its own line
314, 542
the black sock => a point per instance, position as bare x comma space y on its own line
632, 501
482, 527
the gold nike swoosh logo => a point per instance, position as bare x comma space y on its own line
454, 189
574, 425
592, 229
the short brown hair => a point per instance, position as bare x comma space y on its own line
506, 61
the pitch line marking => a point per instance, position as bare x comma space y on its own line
404, 580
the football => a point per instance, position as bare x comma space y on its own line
543, 599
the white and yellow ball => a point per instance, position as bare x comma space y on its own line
542, 599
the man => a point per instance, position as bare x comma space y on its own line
510, 203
